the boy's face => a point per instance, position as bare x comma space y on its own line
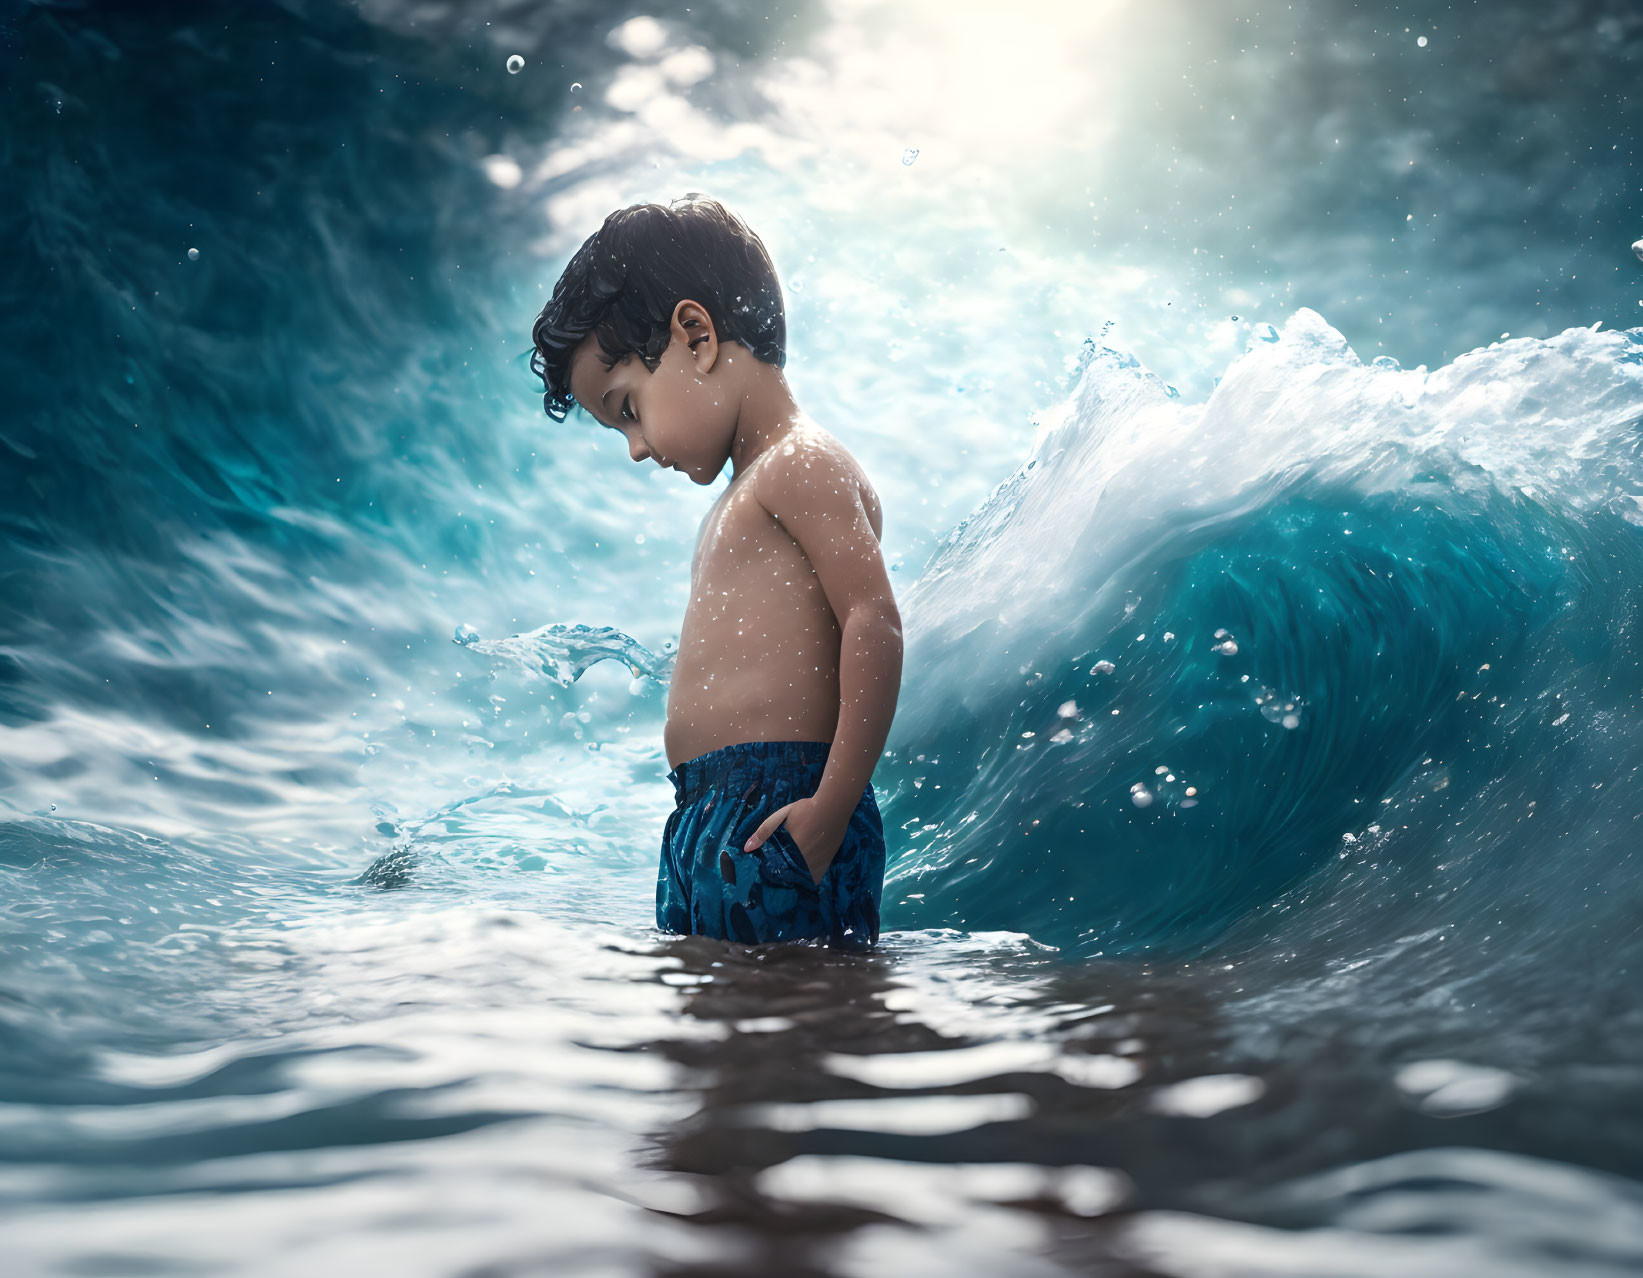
676, 416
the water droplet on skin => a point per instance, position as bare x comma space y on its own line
193, 255
516, 64
909, 155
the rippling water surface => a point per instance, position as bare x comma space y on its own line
1263, 793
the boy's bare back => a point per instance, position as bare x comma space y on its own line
759, 646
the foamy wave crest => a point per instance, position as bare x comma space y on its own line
1194, 661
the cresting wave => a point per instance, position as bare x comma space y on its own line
1342, 637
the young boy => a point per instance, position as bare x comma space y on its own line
668, 327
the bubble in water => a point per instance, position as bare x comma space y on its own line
1420, 42
1277, 708
1638, 249
576, 86
1227, 648
909, 155
1140, 795
1102, 667
516, 64
193, 255
503, 171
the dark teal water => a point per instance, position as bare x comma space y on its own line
1262, 797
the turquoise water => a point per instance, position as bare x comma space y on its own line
1261, 798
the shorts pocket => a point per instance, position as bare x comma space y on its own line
787, 862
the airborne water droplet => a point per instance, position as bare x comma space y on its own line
193, 255
909, 155
516, 64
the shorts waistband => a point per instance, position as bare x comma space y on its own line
744, 763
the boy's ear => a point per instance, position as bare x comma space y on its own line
694, 327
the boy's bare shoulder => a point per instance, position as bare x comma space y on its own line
810, 472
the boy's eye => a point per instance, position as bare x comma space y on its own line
627, 414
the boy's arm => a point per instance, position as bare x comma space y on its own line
815, 496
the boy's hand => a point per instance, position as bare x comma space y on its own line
818, 832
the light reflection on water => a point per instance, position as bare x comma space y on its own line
446, 1084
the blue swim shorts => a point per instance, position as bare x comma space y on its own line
707, 885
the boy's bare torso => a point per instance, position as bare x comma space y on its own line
759, 647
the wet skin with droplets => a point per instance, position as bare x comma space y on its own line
759, 646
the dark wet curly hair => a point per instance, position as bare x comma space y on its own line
627, 277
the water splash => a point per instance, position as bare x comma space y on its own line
563, 653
